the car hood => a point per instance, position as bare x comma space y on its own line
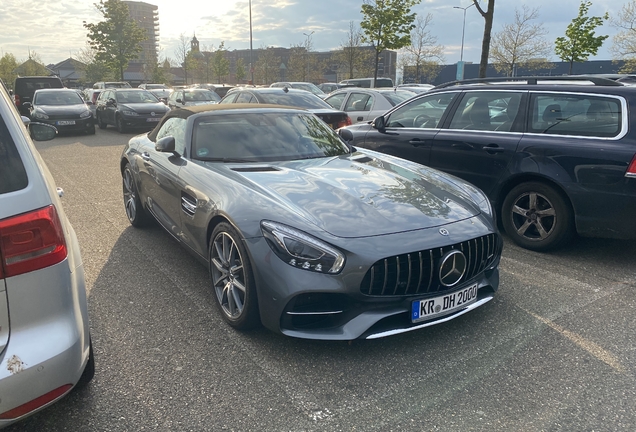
63, 109
359, 195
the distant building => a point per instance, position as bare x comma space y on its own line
147, 16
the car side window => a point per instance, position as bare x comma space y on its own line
174, 127
359, 102
424, 112
576, 115
336, 100
484, 110
229, 99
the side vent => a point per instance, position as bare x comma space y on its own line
255, 169
188, 204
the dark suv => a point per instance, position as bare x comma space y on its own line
25, 87
556, 156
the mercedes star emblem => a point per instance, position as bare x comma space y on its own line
443, 231
452, 268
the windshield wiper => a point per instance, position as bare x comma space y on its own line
227, 160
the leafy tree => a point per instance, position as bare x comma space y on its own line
352, 59
580, 40
8, 65
116, 40
387, 24
520, 44
33, 66
220, 64
240, 73
624, 47
423, 53
266, 68
302, 64
488, 15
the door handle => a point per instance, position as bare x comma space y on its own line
360, 118
416, 142
145, 156
493, 148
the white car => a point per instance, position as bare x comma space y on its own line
45, 346
364, 105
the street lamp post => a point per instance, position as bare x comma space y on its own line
307, 46
251, 56
460, 64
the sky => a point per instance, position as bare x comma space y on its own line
53, 28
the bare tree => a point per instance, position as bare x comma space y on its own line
352, 59
302, 64
521, 43
424, 53
181, 54
267, 66
488, 16
624, 47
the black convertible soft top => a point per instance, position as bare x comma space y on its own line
195, 109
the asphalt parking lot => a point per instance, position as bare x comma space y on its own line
554, 351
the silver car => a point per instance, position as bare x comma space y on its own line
364, 105
45, 346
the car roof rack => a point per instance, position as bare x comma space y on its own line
533, 80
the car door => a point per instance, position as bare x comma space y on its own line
358, 106
410, 128
110, 107
159, 176
481, 138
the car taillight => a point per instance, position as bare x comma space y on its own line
31, 241
631, 169
94, 98
16, 99
345, 122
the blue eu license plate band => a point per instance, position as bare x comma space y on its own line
422, 310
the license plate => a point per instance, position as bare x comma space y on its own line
152, 119
422, 310
65, 122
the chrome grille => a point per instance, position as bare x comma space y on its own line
417, 272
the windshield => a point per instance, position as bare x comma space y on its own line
399, 96
202, 96
57, 98
308, 87
136, 96
264, 137
298, 99
155, 86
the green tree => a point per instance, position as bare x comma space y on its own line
302, 64
8, 65
266, 68
580, 39
92, 70
220, 64
488, 16
624, 46
387, 24
33, 66
240, 73
520, 44
116, 40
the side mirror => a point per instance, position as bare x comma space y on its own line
179, 101
111, 102
166, 145
346, 135
379, 123
42, 131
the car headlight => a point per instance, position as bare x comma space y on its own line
301, 250
480, 199
40, 115
85, 114
129, 113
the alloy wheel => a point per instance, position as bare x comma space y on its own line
228, 275
130, 196
533, 216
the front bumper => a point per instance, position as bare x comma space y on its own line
311, 305
80, 125
142, 121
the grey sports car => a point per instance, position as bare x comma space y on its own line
305, 234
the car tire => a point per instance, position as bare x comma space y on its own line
137, 215
119, 123
89, 369
232, 279
100, 123
537, 217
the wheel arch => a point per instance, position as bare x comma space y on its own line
513, 182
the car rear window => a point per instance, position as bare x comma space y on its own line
301, 100
575, 115
13, 176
